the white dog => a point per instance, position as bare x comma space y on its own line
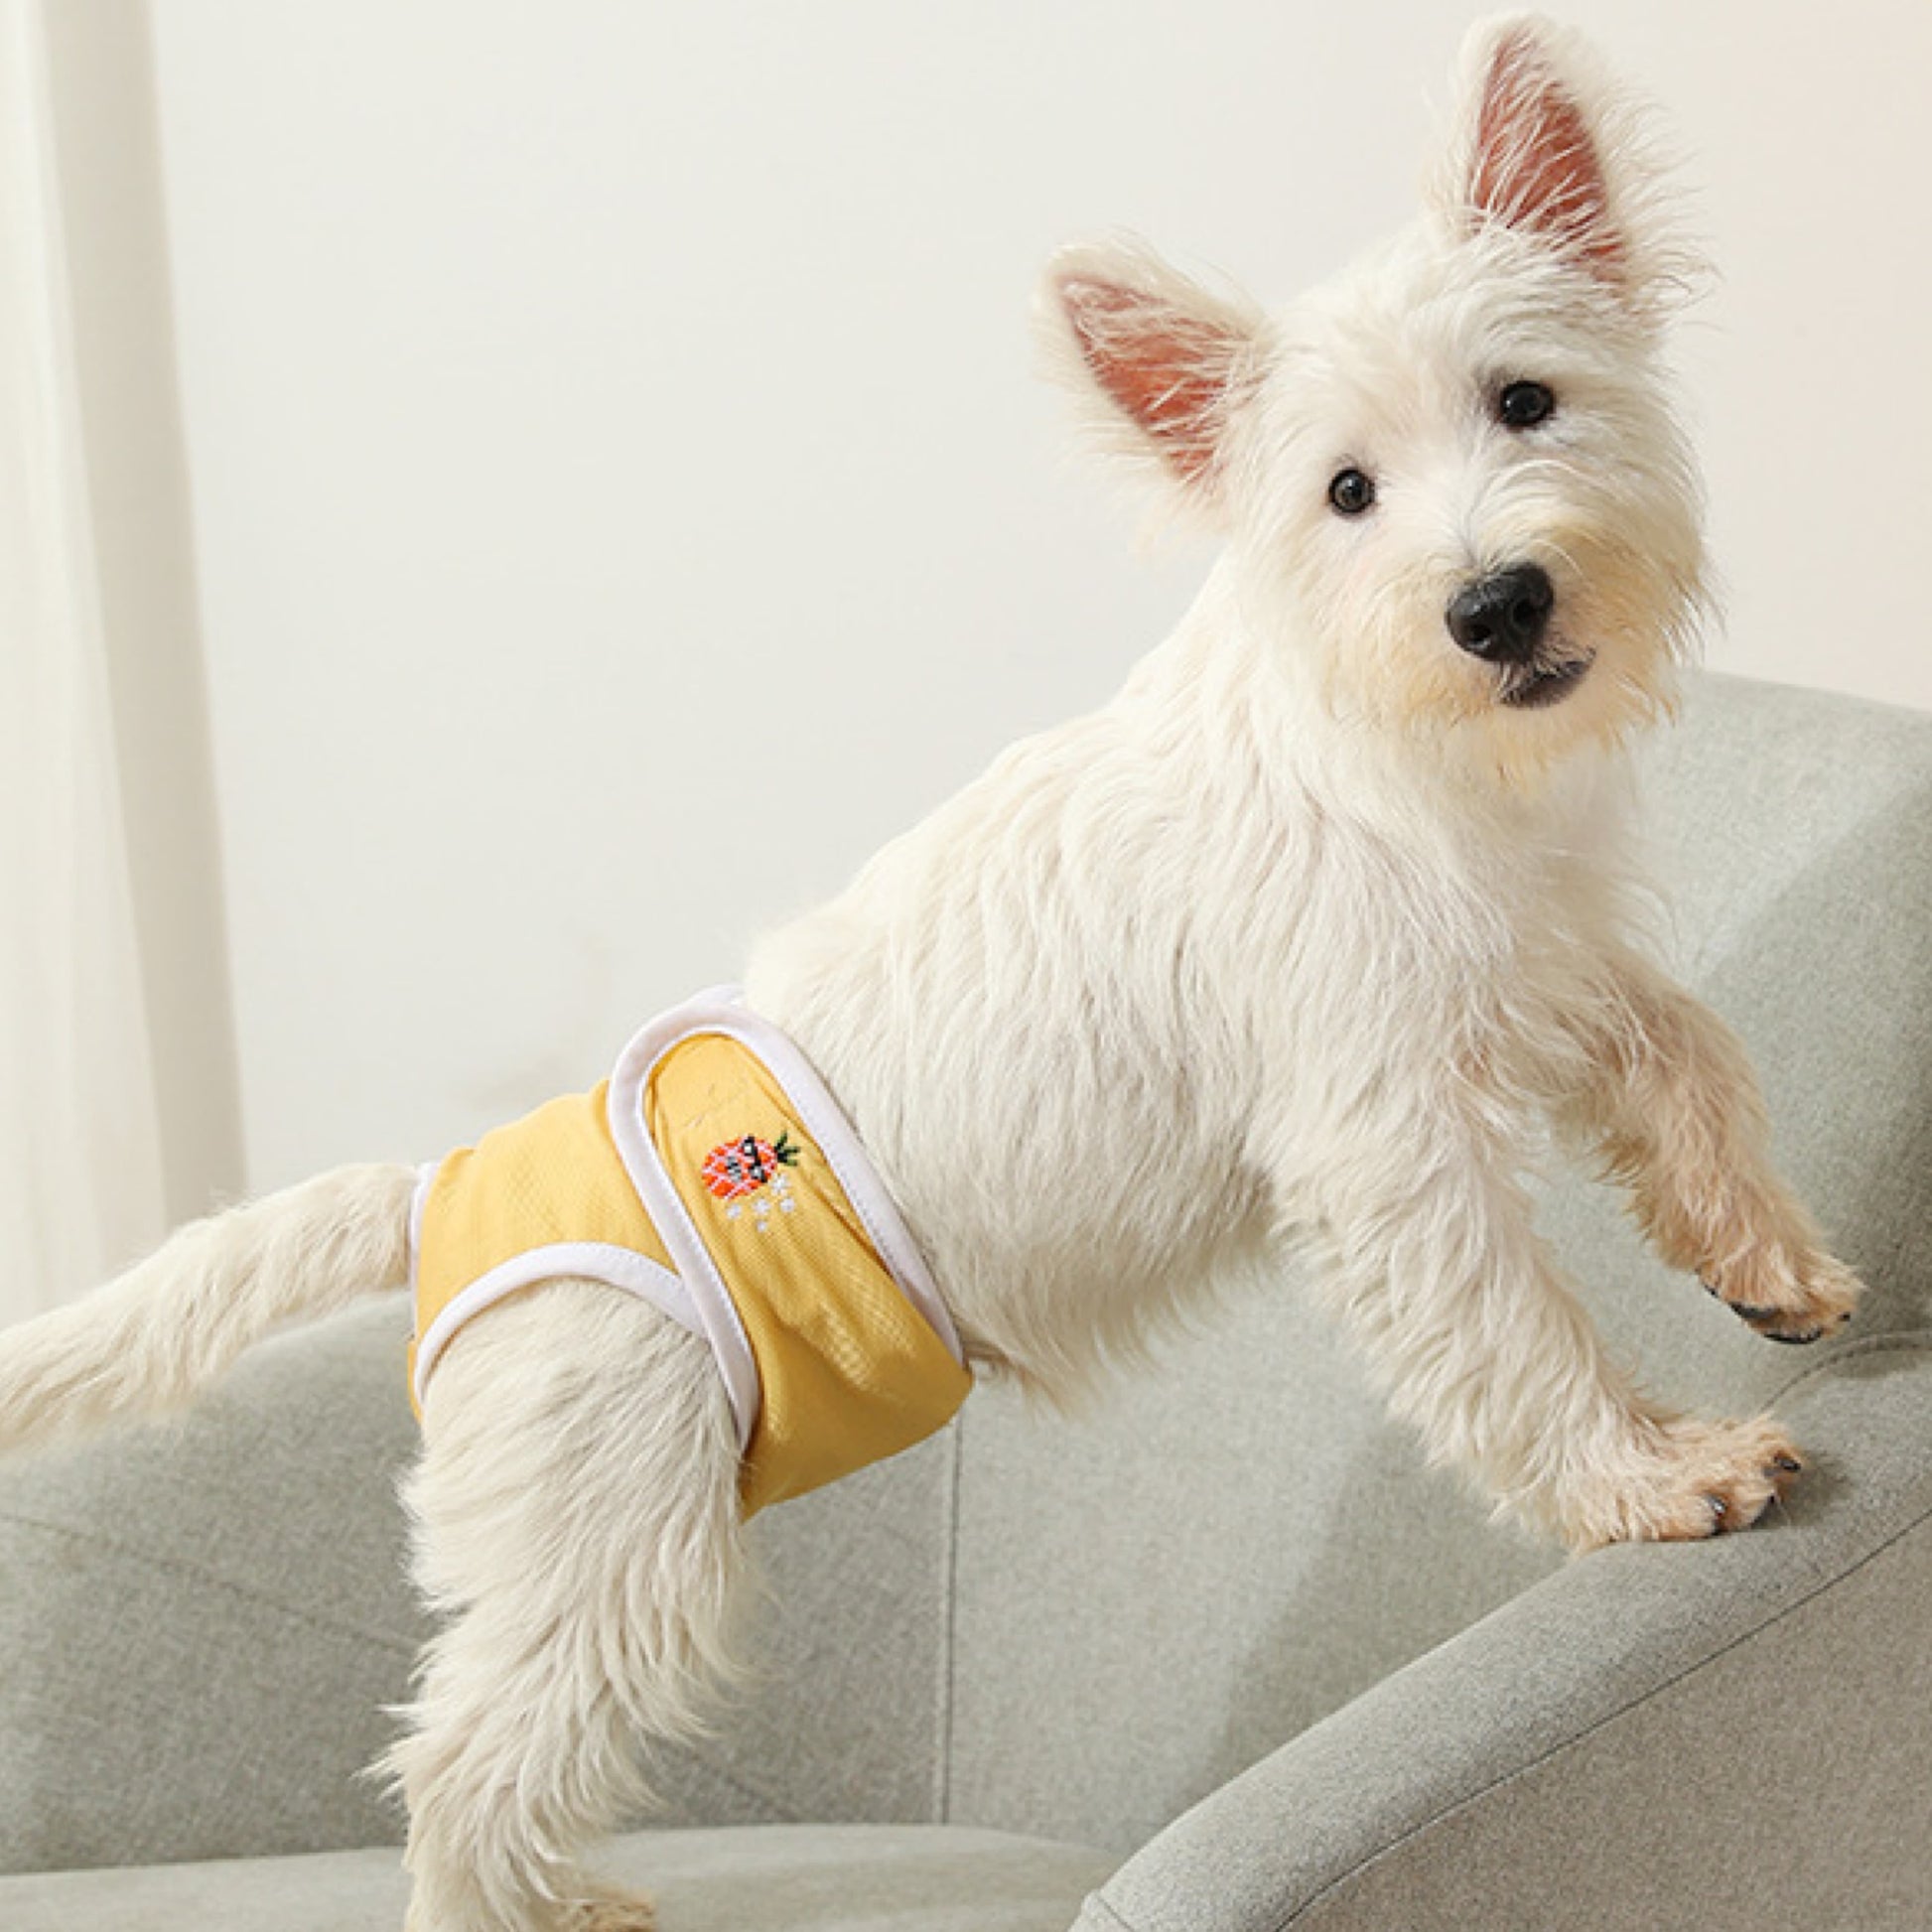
1319, 927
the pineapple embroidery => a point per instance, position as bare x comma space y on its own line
752, 1170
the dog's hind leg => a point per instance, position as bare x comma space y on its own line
577, 1518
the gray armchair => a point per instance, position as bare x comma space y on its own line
1220, 1658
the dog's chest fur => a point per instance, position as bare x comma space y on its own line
1198, 937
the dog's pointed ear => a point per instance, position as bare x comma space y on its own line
1162, 364
1549, 147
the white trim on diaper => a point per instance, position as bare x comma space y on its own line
721, 1011
596, 1261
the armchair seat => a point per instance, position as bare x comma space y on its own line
754, 1878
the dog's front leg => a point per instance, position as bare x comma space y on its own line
1671, 1102
1443, 1281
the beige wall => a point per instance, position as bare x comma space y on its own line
623, 497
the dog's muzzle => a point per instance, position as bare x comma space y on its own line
1504, 619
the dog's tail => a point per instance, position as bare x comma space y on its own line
155, 1335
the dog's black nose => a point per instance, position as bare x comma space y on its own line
1502, 616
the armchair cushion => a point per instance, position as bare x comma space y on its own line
773, 1879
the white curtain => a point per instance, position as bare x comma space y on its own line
81, 1183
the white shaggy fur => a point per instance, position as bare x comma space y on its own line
1313, 934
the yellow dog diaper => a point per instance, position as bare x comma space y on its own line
715, 1175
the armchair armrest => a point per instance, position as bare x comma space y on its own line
1730, 1734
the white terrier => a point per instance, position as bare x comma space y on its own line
1329, 916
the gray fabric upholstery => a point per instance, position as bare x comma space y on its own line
785, 1879
201, 1621
848, 1721
1796, 832
1078, 1628
1153, 1597
1724, 1734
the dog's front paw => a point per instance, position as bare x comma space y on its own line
1686, 1480
1786, 1293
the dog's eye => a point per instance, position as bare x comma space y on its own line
1522, 405
1350, 492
